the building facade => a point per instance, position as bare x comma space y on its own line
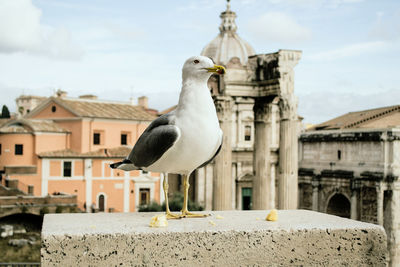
349, 166
257, 110
65, 145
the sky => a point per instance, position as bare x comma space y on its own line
127, 48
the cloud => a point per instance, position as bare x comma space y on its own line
278, 27
130, 33
22, 31
313, 3
337, 3
202, 4
352, 50
295, 2
385, 27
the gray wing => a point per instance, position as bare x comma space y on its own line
216, 153
159, 136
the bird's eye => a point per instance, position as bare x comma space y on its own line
196, 61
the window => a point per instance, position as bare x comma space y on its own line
96, 139
247, 133
339, 155
19, 149
53, 109
124, 139
67, 170
144, 196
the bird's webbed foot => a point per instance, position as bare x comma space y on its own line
188, 214
171, 215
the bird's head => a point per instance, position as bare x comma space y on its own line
200, 67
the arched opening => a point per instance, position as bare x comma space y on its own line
339, 205
101, 202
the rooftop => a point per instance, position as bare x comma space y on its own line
90, 107
116, 152
371, 118
31, 126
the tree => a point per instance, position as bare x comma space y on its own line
5, 113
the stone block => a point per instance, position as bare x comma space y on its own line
226, 238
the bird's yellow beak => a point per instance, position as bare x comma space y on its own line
217, 69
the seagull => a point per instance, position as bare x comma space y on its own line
184, 139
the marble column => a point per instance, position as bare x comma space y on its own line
263, 182
288, 153
353, 203
392, 225
222, 181
200, 186
315, 194
208, 194
379, 203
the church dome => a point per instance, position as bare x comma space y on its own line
228, 44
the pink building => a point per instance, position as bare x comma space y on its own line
66, 145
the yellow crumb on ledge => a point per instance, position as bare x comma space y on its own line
258, 219
212, 223
272, 216
219, 217
159, 221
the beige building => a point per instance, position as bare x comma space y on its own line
350, 165
65, 145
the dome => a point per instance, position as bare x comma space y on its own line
228, 44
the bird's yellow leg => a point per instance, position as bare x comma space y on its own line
185, 211
168, 213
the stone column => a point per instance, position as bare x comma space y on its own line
209, 170
222, 181
288, 153
392, 226
200, 185
353, 203
315, 194
263, 184
379, 203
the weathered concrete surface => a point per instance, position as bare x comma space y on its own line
241, 238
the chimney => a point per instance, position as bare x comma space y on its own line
132, 101
61, 93
92, 97
143, 101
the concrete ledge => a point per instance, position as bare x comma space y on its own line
299, 237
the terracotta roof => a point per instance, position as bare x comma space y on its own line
168, 110
116, 152
358, 119
99, 109
31, 126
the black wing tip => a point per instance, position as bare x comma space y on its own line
117, 164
